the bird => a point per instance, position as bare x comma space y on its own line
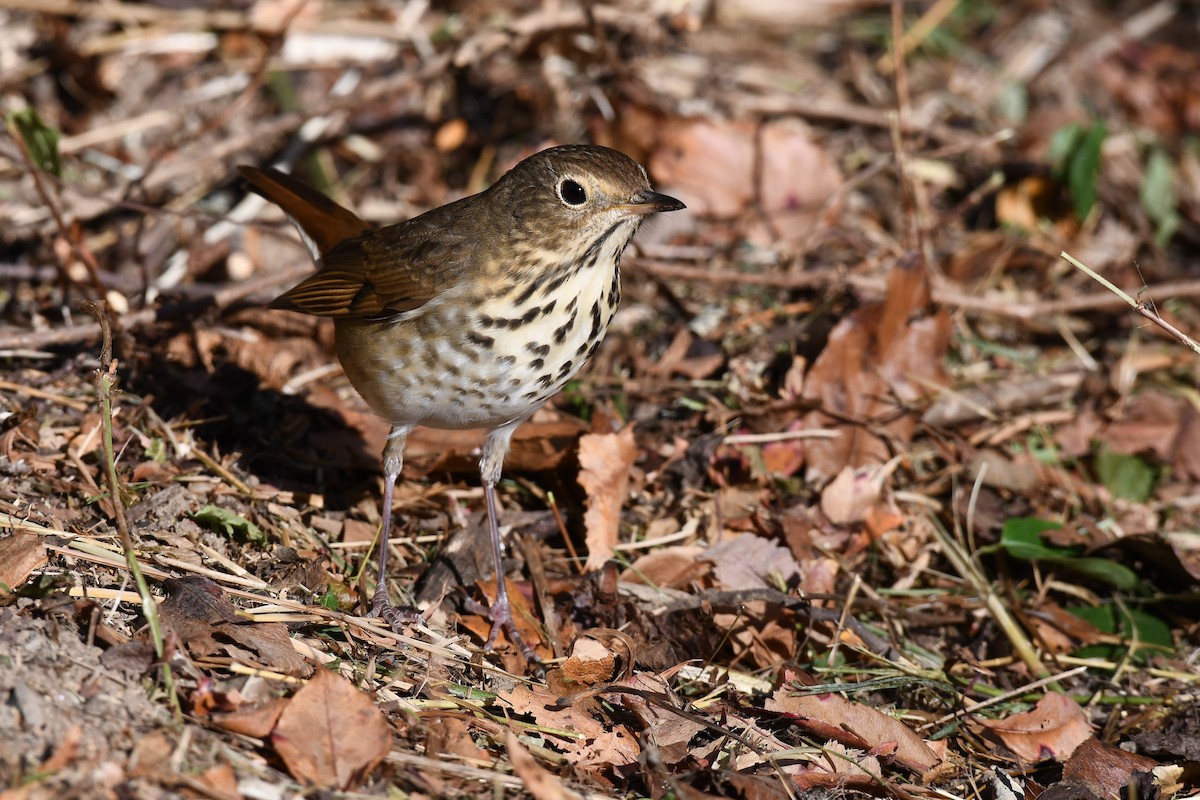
473, 314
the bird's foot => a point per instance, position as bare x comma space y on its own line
398, 619
500, 613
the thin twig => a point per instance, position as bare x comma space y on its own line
1146, 309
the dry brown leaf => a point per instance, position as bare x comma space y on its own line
20, 555
540, 783
221, 781
536, 445
673, 567
451, 736
200, 614
1061, 630
597, 656
748, 561
1104, 769
708, 164
613, 749
1023, 472
547, 710
331, 734
600, 746
152, 757
1011, 394
604, 463
786, 456
853, 493
1158, 423
766, 633
855, 725
1053, 729
798, 178
779, 15
879, 360
663, 726
257, 721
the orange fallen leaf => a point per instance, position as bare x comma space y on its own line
604, 463
1051, 730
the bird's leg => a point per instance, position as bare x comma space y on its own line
495, 448
393, 459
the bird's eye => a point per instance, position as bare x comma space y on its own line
572, 193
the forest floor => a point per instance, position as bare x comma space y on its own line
869, 490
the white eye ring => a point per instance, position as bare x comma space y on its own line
572, 192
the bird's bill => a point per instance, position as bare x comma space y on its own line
651, 203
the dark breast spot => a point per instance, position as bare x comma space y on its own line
560, 333
538, 349
565, 370
557, 281
479, 340
523, 298
595, 332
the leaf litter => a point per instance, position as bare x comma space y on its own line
867, 490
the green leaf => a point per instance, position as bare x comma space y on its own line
40, 140
1101, 617
1075, 153
233, 525
1021, 538
1151, 630
1116, 575
1084, 168
1125, 476
329, 600
1063, 142
1159, 196
1130, 624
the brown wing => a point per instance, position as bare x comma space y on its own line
363, 272
386, 271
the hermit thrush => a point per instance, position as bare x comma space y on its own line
474, 314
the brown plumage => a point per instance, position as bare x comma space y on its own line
471, 315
